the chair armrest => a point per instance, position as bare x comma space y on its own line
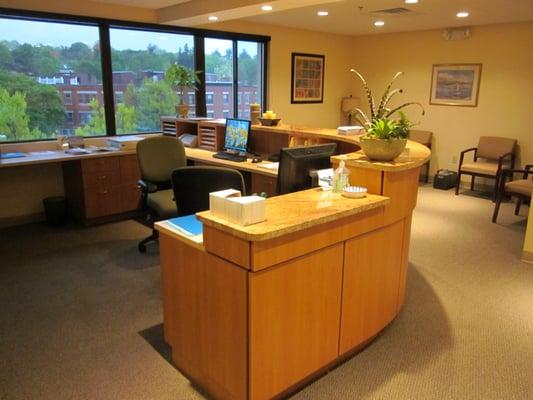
502, 159
463, 155
146, 186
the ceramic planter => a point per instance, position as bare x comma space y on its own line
382, 149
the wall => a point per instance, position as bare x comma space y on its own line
505, 105
337, 50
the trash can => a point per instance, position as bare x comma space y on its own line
55, 209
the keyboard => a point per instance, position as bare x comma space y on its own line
223, 155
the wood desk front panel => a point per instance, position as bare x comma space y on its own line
294, 320
205, 314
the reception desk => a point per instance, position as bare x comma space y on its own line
256, 312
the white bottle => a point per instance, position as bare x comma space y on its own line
340, 177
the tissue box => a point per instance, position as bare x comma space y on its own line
245, 210
217, 201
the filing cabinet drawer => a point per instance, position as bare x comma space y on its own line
101, 179
101, 164
131, 197
129, 169
101, 202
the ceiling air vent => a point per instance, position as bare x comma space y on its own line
393, 11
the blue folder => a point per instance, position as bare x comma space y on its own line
15, 154
189, 225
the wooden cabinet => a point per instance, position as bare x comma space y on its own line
101, 187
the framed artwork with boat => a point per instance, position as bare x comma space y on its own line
455, 84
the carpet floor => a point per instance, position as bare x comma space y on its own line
80, 314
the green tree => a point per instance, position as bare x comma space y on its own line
155, 98
13, 117
130, 95
45, 108
6, 60
96, 125
247, 69
35, 60
126, 119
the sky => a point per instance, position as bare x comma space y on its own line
54, 34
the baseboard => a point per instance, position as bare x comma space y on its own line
527, 257
21, 220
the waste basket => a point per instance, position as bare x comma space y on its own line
55, 209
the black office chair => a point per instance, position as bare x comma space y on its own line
158, 156
192, 186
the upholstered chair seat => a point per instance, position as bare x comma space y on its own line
521, 186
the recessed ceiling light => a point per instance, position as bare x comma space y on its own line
411, 1
379, 23
212, 18
462, 14
266, 7
322, 13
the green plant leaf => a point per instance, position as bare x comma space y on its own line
385, 98
369, 95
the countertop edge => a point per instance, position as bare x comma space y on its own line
233, 229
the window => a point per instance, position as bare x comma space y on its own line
85, 117
219, 73
210, 114
67, 97
52, 82
85, 97
250, 73
119, 97
225, 114
41, 65
139, 61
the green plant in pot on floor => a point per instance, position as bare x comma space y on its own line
180, 78
386, 129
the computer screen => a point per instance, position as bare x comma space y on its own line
295, 163
237, 133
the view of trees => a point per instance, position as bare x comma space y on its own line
32, 110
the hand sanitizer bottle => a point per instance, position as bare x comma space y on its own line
340, 177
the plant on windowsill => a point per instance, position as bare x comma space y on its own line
180, 78
385, 136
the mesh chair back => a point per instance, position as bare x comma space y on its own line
158, 156
192, 186
493, 147
423, 137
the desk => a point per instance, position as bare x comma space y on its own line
102, 186
255, 312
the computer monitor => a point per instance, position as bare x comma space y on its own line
295, 163
237, 133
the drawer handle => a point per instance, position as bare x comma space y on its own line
102, 177
104, 192
100, 162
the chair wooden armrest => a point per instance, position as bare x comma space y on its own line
463, 155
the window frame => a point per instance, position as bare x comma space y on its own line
105, 24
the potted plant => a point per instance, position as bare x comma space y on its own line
180, 78
386, 135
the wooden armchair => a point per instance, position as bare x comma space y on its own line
521, 188
495, 153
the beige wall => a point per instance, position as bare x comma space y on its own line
337, 50
505, 96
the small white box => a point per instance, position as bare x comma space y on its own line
124, 142
217, 201
350, 130
245, 210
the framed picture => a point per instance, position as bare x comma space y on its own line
307, 83
455, 84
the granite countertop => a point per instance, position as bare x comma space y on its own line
296, 211
415, 155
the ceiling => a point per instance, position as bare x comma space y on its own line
349, 17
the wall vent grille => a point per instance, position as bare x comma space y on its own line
394, 11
